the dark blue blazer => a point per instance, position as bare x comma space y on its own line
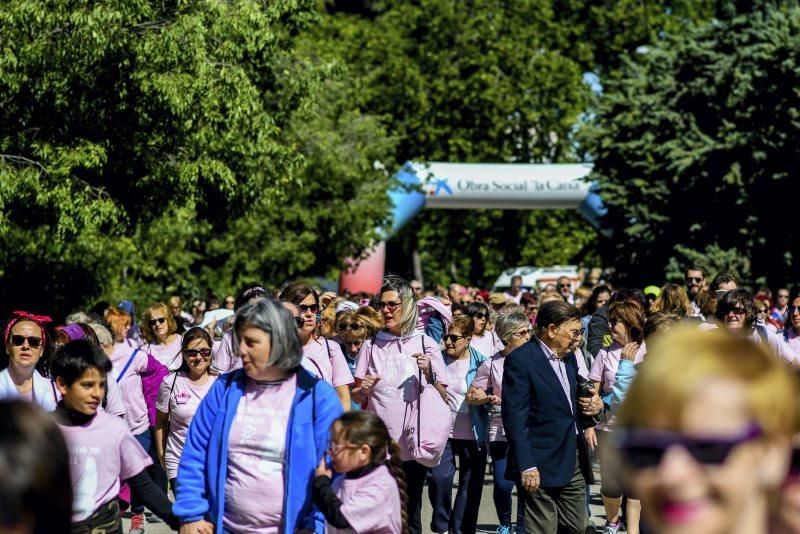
539, 425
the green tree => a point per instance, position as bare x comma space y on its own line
695, 150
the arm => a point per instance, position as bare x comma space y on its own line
343, 392
476, 396
162, 430
516, 406
143, 487
327, 501
598, 328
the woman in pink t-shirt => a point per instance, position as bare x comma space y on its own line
626, 320
24, 360
179, 396
161, 340
224, 358
371, 496
484, 341
321, 356
514, 330
387, 377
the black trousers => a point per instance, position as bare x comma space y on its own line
460, 516
415, 482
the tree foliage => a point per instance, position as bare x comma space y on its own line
696, 150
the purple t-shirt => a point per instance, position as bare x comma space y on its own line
181, 404
254, 486
390, 357
457, 370
130, 385
370, 503
490, 376
169, 354
101, 452
487, 344
332, 369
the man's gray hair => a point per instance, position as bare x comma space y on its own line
409, 315
271, 317
508, 323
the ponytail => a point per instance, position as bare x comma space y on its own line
395, 465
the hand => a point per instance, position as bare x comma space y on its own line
210, 328
591, 438
197, 527
368, 384
591, 406
629, 351
494, 399
531, 480
423, 362
323, 470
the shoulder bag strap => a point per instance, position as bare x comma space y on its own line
125, 369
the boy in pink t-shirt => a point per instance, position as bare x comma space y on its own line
102, 449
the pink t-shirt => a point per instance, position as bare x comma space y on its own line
793, 340
487, 344
332, 369
604, 370
489, 378
169, 355
181, 404
224, 358
130, 385
254, 486
461, 427
391, 358
370, 503
101, 452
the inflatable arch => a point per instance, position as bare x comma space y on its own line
474, 186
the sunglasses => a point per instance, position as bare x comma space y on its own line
452, 338
794, 309
389, 304
355, 327
694, 279
159, 320
645, 448
34, 342
738, 310
522, 333
313, 308
194, 353
479, 315
562, 285
230, 302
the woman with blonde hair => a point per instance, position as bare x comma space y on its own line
162, 341
673, 300
704, 435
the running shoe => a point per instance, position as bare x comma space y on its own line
611, 528
137, 524
504, 529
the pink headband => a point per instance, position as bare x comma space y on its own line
18, 316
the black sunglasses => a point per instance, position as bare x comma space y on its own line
644, 448
194, 353
452, 338
34, 342
793, 309
563, 285
355, 327
694, 279
159, 320
479, 315
313, 308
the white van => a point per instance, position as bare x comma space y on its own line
537, 277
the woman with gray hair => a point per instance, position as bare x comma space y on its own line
258, 435
387, 377
513, 329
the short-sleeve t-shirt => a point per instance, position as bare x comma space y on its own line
457, 370
604, 370
169, 354
179, 397
224, 358
370, 503
332, 369
489, 378
254, 487
130, 385
101, 452
487, 344
391, 358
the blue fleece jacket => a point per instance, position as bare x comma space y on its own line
626, 372
204, 462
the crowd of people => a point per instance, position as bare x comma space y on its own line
298, 410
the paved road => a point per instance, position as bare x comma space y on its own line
487, 517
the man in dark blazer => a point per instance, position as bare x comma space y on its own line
544, 419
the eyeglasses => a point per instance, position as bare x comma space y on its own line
479, 315
794, 309
452, 338
355, 327
522, 333
737, 310
391, 305
34, 342
298, 321
333, 450
644, 448
695, 279
158, 320
197, 353
313, 308
574, 333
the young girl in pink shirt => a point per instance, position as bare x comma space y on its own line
371, 494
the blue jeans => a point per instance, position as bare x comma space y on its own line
498, 451
461, 516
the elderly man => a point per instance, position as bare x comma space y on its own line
544, 418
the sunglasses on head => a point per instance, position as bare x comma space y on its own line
479, 315
194, 353
34, 342
355, 327
452, 338
645, 448
313, 308
159, 320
